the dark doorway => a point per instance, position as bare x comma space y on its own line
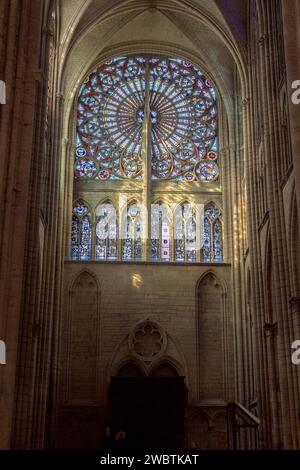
150, 410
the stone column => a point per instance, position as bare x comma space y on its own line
252, 210
19, 134
270, 74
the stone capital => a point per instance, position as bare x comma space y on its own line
60, 97
38, 74
270, 329
245, 102
48, 31
263, 39
295, 304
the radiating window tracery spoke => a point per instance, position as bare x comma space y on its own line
183, 114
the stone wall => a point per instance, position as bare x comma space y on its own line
102, 305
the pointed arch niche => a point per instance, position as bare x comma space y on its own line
213, 338
82, 332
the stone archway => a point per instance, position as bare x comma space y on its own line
149, 409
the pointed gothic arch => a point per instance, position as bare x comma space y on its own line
211, 315
82, 338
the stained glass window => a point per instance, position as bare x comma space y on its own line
185, 233
120, 101
175, 235
218, 241
160, 232
212, 249
206, 249
132, 234
183, 115
106, 233
81, 232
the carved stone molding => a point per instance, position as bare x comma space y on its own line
270, 329
60, 97
147, 341
263, 39
48, 30
295, 304
245, 102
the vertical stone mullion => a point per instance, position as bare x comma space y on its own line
48, 347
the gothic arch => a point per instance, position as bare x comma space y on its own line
212, 330
182, 202
82, 201
144, 47
223, 103
82, 334
217, 280
73, 34
171, 354
167, 361
91, 274
132, 364
164, 202
105, 200
214, 203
